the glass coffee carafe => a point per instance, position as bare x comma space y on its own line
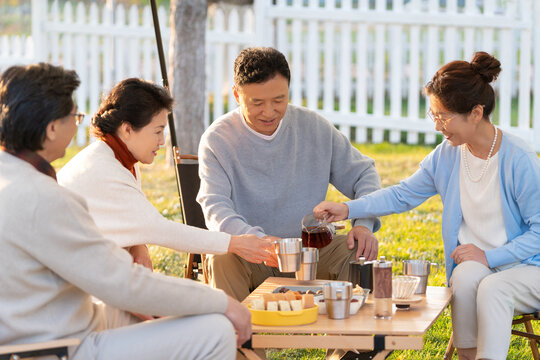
316, 233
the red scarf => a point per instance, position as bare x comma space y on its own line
121, 152
33, 159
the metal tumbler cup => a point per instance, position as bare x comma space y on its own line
308, 265
420, 268
337, 296
288, 251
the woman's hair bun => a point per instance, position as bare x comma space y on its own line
105, 122
486, 66
96, 119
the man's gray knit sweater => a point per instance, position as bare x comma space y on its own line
265, 187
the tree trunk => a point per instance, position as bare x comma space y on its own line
187, 64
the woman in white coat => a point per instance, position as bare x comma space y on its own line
129, 125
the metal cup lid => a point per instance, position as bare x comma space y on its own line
382, 263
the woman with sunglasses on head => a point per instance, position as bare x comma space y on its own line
130, 126
489, 183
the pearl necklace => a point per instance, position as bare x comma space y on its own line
484, 169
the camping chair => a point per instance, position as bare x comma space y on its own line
534, 339
22, 351
188, 174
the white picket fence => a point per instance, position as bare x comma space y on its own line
360, 63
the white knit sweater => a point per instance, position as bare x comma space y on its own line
121, 210
53, 257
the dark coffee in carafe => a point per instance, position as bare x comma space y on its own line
317, 237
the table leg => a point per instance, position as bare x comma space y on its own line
248, 354
383, 354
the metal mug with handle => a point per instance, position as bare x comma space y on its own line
337, 296
422, 269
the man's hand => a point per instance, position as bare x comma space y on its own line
368, 245
469, 252
331, 211
141, 256
251, 248
240, 317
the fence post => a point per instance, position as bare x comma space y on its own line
264, 31
39, 16
536, 57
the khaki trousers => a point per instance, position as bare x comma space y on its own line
238, 277
485, 301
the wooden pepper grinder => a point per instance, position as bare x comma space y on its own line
382, 288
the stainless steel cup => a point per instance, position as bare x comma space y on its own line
337, 297
422, 269
288, 251
308, 264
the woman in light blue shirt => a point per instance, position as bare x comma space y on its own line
489, 183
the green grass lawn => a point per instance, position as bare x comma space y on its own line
414, 234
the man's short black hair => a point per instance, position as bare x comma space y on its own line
259, 64
30, 98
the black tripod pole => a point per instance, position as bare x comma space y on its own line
165, 79
176, 151
162, 65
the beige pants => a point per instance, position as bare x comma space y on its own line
238, 277
209, 336
485, 301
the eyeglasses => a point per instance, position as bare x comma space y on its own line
438, 117
79, 117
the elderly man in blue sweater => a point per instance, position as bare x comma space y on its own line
266, 164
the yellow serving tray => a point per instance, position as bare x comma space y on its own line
284, 318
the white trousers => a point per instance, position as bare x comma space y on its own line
209, 336
485, 301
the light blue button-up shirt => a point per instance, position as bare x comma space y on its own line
519, 171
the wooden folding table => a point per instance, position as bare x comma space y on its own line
360, 331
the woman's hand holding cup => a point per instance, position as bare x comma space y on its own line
273, 260
252, 248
